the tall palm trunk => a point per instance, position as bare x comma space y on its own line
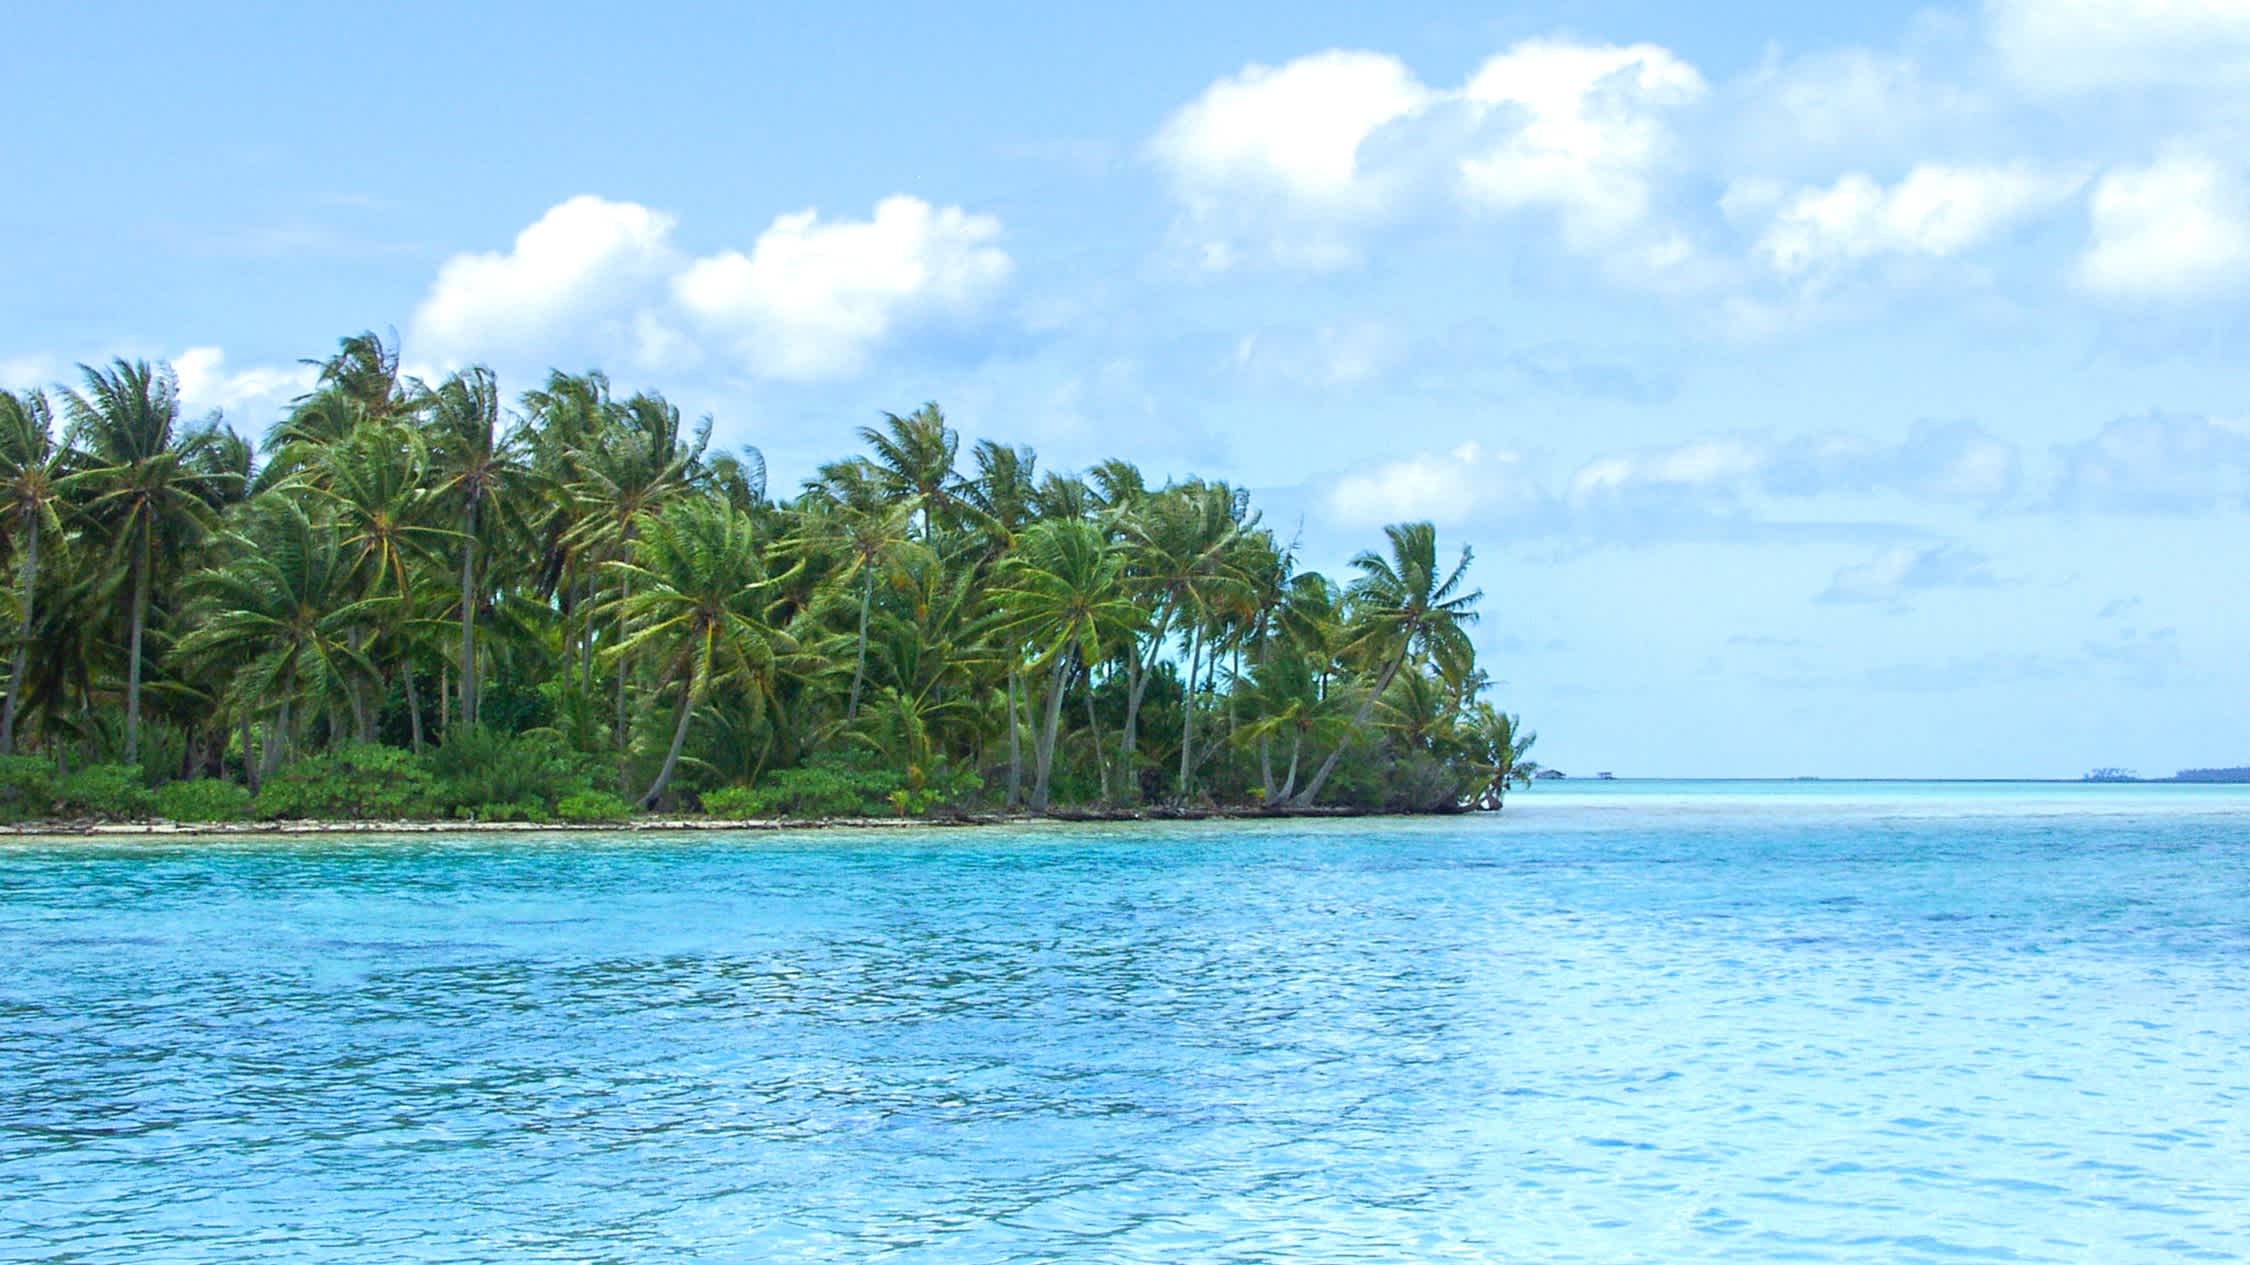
1094, 733
469, 622
1015, 744
1045, 754
1136, 687
30, 575
859, 668
679, 740
1366, 706
413, 704
133, 652
1187, 710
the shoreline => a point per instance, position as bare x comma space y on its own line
658, 825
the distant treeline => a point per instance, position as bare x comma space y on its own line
2236, 774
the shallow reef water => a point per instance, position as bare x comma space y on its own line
1619, 1022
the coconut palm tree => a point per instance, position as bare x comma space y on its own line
699, 606
1406, 606
32, 466
282, 610
913, 459
1063, 589
479, 465
1502, 743
147, 485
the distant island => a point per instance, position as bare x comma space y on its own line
2238, 773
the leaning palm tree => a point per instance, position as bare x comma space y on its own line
1501, 742
699, 606
145, 486
32, 465
1406, 607
913, 461
1063, 590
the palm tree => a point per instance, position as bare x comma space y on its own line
1063, 589
1405, 607
700, 597
913, 461
862, 539
480, 467
281, 608
146, 485
32, 465
1502, 743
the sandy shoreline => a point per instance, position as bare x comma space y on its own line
657, 825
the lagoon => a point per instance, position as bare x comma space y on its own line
1623, 1021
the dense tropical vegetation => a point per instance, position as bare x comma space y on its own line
419, 600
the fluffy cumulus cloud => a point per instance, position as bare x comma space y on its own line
1899, 571
2080, 45
2176, 228
1447, 488
579, 271
206, 383
2156, 465
809, 299
1289, 163
1936, 210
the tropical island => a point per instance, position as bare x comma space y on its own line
419, 601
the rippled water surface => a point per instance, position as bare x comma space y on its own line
1621, 1023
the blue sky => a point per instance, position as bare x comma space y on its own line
1824, 389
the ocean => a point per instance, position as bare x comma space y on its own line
1620, 1022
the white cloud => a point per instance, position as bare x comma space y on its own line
2157, 465
574, 277
1290, 163
1896, 572
1588, 131
1719, 465
2075, 45
1850, 100
1295, 128
1446, 488
811, 300
2176, 228
206, 383
1937, 210
1329, 356
32, 372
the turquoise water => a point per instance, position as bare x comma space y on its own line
1626, 1022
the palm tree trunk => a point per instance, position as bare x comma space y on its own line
1015, 745
1289, 782
133, 653
250, 769
1367, 705
1136, 687
1045, 754
275, 738
618, 725
679, 740
469, 622
859, 668
1187, 710
30, 575
413, 704
1094, 732
1265, 767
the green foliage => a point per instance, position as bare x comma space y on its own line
736, 802
27, 787
203, 799
592, 806
493, 776
112, 792
351, 782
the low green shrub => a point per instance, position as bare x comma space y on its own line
736, 802
113, 792
352, 782
202, 799
27, 787
509, 777
588, 806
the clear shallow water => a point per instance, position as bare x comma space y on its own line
1627, 1022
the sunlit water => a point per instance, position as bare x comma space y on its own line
1806, 1022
